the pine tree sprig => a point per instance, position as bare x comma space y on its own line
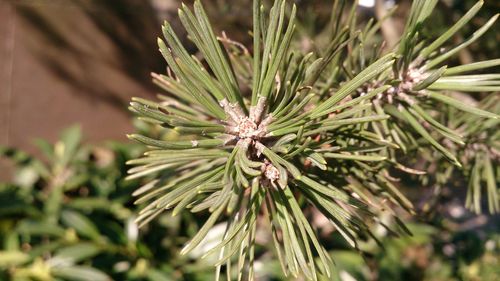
265, 135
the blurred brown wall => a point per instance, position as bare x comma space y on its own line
65, 62
68, 61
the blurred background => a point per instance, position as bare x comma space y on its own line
65, 210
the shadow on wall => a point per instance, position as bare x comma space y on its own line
78, 41
78, 61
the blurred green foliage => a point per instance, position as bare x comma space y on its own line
70, 217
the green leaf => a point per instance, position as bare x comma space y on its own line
325, 260
67, 147
80, 273
198, 95
445, 131
29, 227
473, 200
460, 105
367, 74
394, 191
452, 30
423, 132
257, 49
331, 192
474, 37
435, 75
13, 258
275, 49
157, 275
75, 253
290, 239
203, 230
346, 156
471, 67
491, 186
368, 96
208, 143
200, 31
81, 224
419, 12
